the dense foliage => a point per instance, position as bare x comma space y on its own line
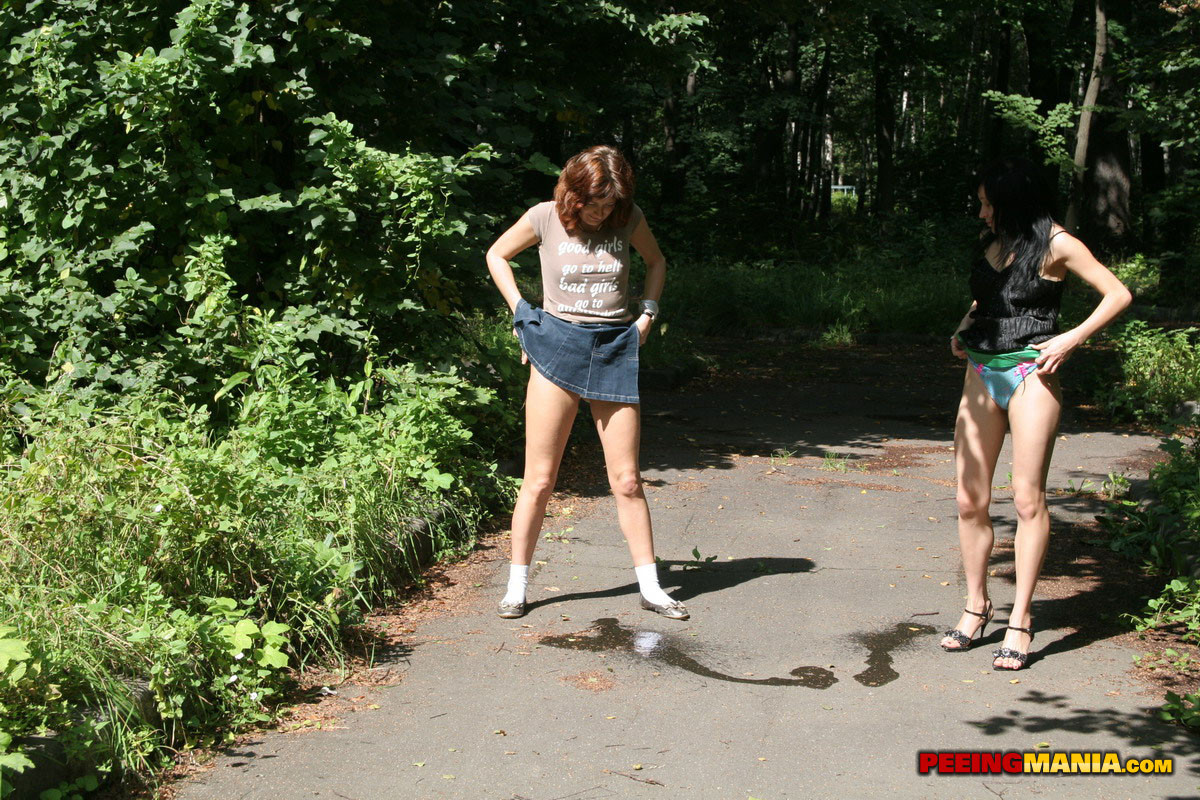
1165, 532
245, 331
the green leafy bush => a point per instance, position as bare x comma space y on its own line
1166, 533
1161, 369
1141, 274
136, 543
238, 359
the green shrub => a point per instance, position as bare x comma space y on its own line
137, 543
1161, 369
1141, 274
1166, 533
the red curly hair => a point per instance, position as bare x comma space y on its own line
598, 173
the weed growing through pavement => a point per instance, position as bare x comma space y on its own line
782, 455
698, 561
1115, 486
835, 462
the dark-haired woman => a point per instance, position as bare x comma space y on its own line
583, 344
1013, 347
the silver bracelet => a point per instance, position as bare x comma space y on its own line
650, 307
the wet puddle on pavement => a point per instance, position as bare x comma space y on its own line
607, 636
880, 646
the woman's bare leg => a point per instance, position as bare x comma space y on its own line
978, 437
620, 429
549, 413
1033, 415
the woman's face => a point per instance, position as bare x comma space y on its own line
986, 212
594, 213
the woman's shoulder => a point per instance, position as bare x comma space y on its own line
636, 215
1062, 243
543, 210
540, 217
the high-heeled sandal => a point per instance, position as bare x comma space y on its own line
964, 641
1008, 652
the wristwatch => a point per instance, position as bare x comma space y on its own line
650, 308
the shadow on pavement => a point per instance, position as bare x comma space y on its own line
1141, 730
689, 583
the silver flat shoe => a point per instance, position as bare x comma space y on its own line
510, 610
671, 610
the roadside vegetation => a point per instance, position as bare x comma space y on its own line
253, 375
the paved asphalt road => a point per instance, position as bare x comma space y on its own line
810, 667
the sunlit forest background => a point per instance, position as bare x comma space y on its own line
247, 336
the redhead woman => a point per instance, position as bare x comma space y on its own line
583, 344
1011, 341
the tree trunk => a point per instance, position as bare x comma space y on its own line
1085, 119
964, 129
791, 85
1047, 84
885, 120
825, 191
1154, 180
993, 134
1107, 179
819, 127
672, 183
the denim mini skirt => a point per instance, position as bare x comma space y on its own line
597, 361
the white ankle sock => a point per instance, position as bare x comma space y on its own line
518, 579
647, 576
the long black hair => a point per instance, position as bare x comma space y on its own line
1022, 213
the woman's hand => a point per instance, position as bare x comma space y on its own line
1055, 351
524, 355
956, 347
643, 325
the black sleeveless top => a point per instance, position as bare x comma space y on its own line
1008, 316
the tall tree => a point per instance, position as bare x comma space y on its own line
883, 199
1083, 135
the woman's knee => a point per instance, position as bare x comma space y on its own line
973, 503
1030, 502
539, 485
627, 483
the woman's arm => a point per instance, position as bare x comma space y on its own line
656, 270
1075, 257
517, 238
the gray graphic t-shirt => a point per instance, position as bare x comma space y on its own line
585, 277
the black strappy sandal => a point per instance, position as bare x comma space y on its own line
964, 641
1008, 652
